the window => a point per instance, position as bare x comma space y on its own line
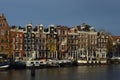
32, 62
40, 40
20, 40
29, 47
25, 35
20, 35
32, 40
54, 36
37, 47
40, 35
25, 40
37, 40
43, 40
2, 25
29, 28
17, 54
2, 32
17, 46
37, 35
33, 35
32, 47
29, 35
17, 40
29, 40
7, 40
63, 38
63, 47
21, 47
2, 40
63, 32
58, 31
2, 48
25, 47
13, 46
6, 33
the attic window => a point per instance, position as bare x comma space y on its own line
40, 28
75, 31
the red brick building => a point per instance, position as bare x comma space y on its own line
4, 36
62, 32
16, 39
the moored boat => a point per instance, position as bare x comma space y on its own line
65, 63
4, 63
92, 62
115, 60
17, 65
36, 63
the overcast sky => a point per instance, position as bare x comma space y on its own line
101, 14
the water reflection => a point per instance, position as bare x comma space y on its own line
32, 78
72, 73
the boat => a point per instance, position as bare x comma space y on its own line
83, 62
42, 64
92, 62
52, 63
62, 63
17, 65
36, 63
115, 60
65, 63
4, 63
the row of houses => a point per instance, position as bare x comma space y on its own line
58, 42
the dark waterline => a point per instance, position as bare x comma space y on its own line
111, 72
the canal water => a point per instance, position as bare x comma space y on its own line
111, 72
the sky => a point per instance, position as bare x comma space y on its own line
101, 14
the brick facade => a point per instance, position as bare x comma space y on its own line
4, 36
60, 42
16, 39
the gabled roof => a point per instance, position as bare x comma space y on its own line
116, 38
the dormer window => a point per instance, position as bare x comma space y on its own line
40, 28
75, 30
52, 29
29, 27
